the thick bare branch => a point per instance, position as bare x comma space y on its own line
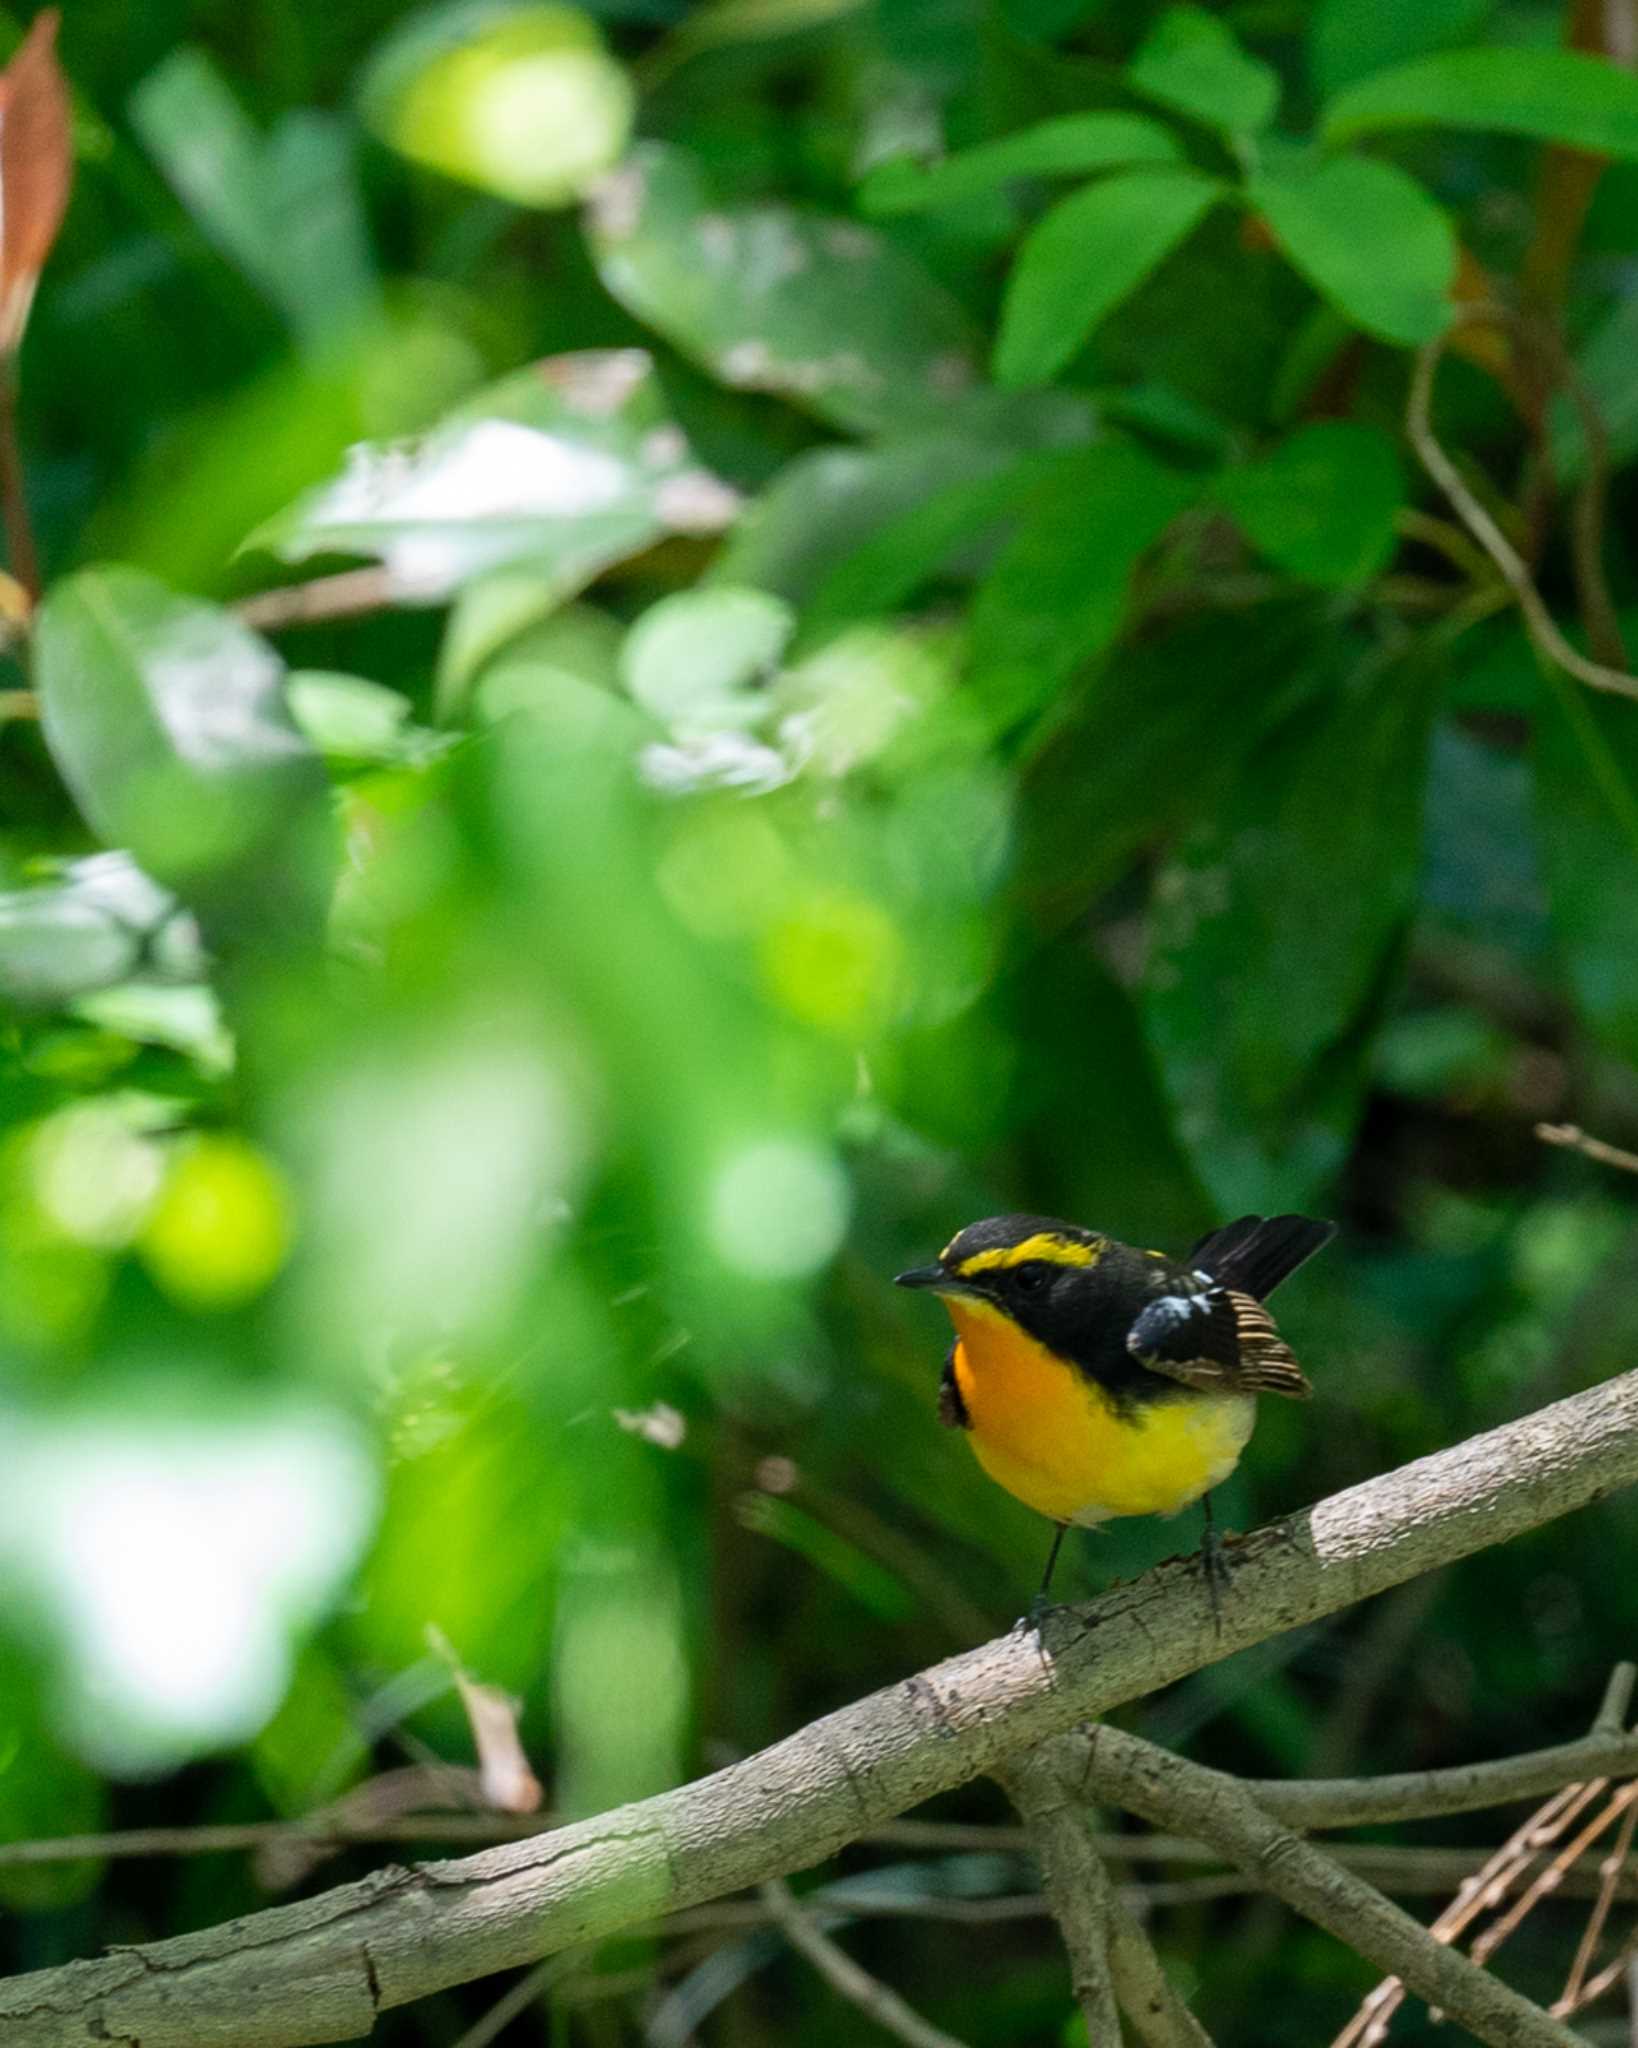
322, 1969
1175, 1793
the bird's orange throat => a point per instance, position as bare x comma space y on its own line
1048, 1433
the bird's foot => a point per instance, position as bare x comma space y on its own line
1217, 1573
1033, 1619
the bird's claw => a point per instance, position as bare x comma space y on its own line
1033, 1619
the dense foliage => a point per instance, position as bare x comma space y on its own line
678, 652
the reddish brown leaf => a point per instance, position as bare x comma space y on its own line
36, 169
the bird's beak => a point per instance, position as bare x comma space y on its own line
929, 1276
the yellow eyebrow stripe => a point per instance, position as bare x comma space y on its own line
1058, 1251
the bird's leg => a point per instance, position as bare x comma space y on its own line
1214, 1566
1039, 1605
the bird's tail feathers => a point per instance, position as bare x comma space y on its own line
1256, 1253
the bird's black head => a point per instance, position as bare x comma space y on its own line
1041, 1272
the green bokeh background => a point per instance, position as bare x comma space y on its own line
825, 800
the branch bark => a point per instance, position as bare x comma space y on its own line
322, 1969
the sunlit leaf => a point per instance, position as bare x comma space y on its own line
99, 921
1552, 95
768, 298
36, 169
1051, 149
515, 97
561, 469
1193, 63
1322, 502
697, 660
1368, 238
1084, 257
167, 720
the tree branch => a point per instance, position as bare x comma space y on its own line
1111, 1960
845, 1977
322, 1969
1173, 1792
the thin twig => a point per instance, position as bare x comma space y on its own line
1538, 620
846, 1977
1576, 1140
1575, 1984
523, 1994
349, 594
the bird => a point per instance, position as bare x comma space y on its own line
1094, 1379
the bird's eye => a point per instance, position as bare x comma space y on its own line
1031, 1279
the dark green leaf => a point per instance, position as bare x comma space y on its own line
1347, 41
1057, 594
1272, 929
561, 470
1552, 95
1368, 238
1086, 255
167, 720
1051, 149
1586, 766
767, 298
1192, 62
1322, 503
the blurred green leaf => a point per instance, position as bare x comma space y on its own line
820, 310
1347, 41
99, 921
352, 720
1586, 776
701, 659
286, 211
825, 506
559, 471
1084, 256
1272, 927
516, 97
1603, 361
1367, 238
1322, 502
1057, 593
1051, 149
167, 720
575, 649
1193, 63
1552, 95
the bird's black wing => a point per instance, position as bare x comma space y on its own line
1218, 1340
1256, 1253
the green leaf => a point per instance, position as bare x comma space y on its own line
1193, 63
166, 718
1368, 239
350, 719
1347, 41
1057, 593
701, 658
1051, 149
563, 469
1552, 95
1322, 503
822, 311
1091, 251
287, 212
1586, 774
100, 921
826, 505
1273, 928
518, 98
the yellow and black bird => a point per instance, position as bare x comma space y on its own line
1095, 1380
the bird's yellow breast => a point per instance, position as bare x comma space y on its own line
1051, 1436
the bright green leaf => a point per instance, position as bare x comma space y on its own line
700, 658
1091, 251
518, 98
1193, 62
1322, 502
1552, 95
559, 470
1368, 238
823, 311
1347, 41
166, 718
1051, 149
